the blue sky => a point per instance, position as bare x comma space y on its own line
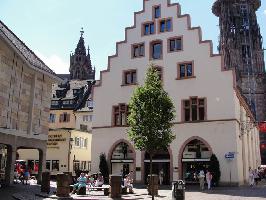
51, 27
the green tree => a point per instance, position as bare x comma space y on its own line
151, 113
214, 168
103, 166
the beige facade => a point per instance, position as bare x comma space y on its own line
224, 125
67, 150
25, 87
62, 119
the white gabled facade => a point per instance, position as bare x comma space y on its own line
221, 110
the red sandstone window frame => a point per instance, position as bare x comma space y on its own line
165, 20
143, 28
152, 43
186, 63
119, 115
154, 11
130, 72
198, 104
138, 46
169, 44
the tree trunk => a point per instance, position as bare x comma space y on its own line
151, 177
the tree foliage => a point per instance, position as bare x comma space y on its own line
103, 167
151, 113
214, 168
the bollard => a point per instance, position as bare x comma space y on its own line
63, 188
115, 189
45, 186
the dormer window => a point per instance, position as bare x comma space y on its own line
54, 103
75, 92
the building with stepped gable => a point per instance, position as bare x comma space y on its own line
209, 107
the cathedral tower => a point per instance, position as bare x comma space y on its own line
80, 62
241, 47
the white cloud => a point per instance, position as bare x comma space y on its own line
54, 62
265, 12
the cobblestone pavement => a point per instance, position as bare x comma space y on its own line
26, 192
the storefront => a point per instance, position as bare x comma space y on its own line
3, 157
122, 159
160, 163
195, 157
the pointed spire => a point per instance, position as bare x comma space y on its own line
81, 50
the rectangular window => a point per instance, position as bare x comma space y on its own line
175, 44
148, 28
55, 165
54, 103
194, 109
77, 141
90, 118
89, 104
138, 50
130, 77
160, 72
48, 165
156, 50
76, 165
157, 12
165, 25
52, 118
185, 70
85, 118
120, 114
65, 117
83, 127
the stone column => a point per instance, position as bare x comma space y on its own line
42, 164
10, 163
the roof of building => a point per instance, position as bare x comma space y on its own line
28, 54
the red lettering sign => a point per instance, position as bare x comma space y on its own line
262, 127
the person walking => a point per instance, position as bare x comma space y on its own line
251, 177
161, 176
201, 177
209, 179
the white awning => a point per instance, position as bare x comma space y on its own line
196, 160
158, 161
122, 161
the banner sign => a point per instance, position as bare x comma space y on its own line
262, 127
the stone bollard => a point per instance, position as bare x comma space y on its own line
63, 188
115, 183
45, 185
155, 185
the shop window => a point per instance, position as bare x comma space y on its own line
52, 118
175, 44
120, 114
148, 28
55, 165
65, 117
194, 109
157, 12
156, 50
165, 25
185, 70
130, 77
138, 50
48, 165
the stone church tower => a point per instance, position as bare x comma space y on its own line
241, 47
80, 62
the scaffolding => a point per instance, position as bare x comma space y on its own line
241, 45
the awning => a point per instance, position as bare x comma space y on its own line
122, 161
196, 160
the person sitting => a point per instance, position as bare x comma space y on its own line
99, 182
26, 176
128, 184
91, 181
82, 181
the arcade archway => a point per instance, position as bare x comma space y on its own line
122, 158
194, 156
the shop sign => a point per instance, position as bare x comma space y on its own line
53, 140
230, 155
262, 127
